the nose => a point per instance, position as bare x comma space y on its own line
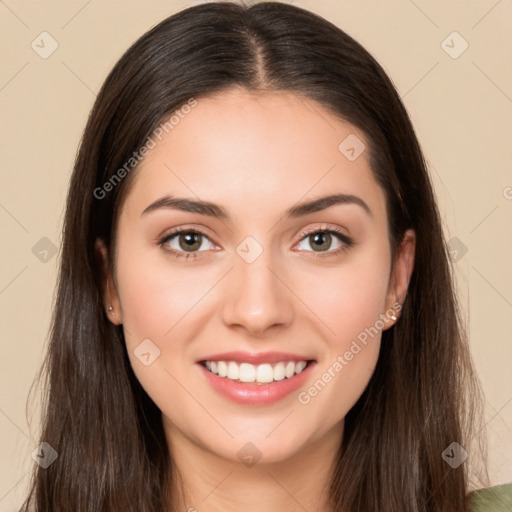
257, 296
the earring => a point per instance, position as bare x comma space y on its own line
393, 317
110, 308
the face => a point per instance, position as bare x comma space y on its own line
255, 285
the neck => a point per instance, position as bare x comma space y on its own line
206, 482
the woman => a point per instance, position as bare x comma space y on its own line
255, 308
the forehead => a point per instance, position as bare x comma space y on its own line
253, 150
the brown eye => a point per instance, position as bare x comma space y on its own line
186, 241
325, 240
321, 240
190, 241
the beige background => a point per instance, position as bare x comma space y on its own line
461, 108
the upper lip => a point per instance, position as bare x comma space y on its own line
256, 358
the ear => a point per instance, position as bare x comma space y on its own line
108, 288
401, 274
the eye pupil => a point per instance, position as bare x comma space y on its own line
317, 237
189, 241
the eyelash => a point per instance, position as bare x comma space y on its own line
347, 242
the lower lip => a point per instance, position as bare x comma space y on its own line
256, 394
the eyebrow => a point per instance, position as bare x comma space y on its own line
218, 212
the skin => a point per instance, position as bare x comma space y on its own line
255, 155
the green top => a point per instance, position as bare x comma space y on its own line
492, 499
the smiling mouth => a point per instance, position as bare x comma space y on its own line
246, 373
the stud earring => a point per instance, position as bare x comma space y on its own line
110, 308
393, 317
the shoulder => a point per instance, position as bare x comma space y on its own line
492, 499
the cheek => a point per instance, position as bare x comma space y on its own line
158, 302
349, 303
347, 298
156, 295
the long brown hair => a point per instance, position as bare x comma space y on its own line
112, 454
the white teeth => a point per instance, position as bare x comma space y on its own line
247, 373
222, 368
279, 371
290, 370
300, 366
262, 374
233, 371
